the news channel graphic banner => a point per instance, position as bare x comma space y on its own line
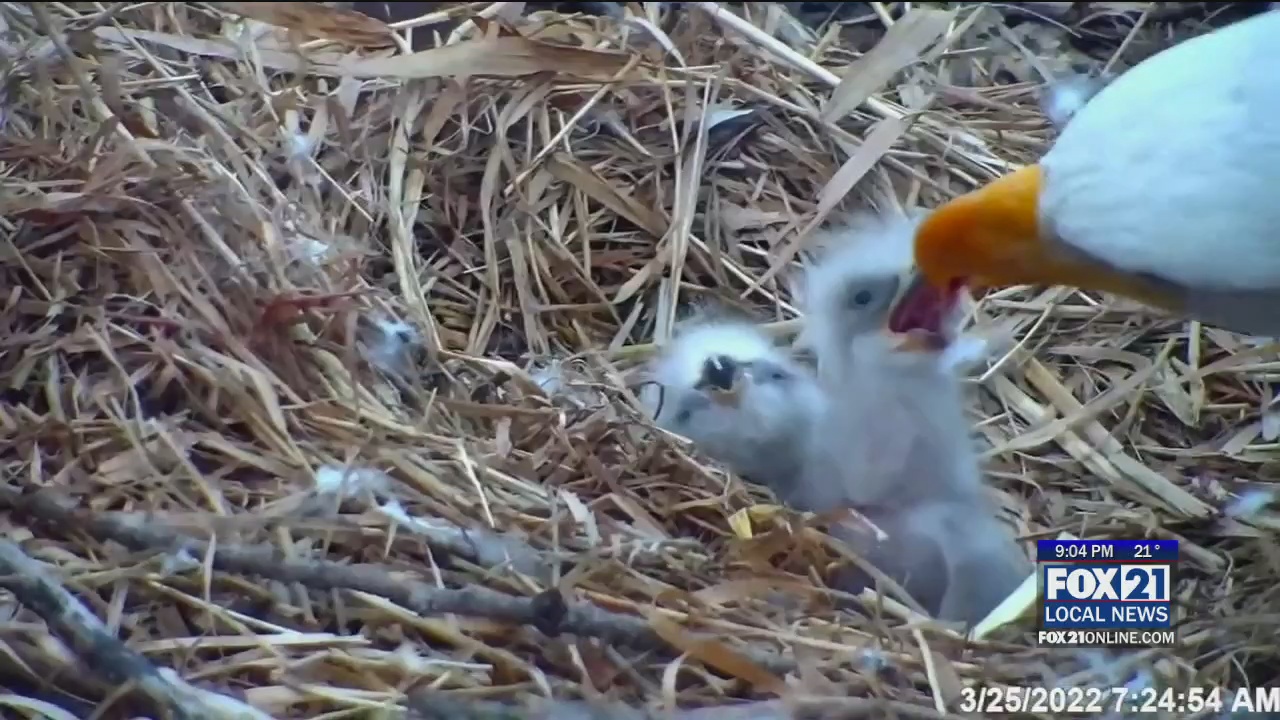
1106, 593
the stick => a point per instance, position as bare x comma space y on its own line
551, 617
100, 651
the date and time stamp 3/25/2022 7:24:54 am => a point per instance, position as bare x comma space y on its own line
1119, 700
1110, 594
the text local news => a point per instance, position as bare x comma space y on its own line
1107, 592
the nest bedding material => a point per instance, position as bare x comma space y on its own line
321, 359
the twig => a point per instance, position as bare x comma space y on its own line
580, 618
423, 599
97, 648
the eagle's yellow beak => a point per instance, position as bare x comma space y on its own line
994, 237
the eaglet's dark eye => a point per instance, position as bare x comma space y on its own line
862, 297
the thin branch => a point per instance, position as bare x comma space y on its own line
552, 618
99, 650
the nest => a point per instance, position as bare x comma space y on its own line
320, 360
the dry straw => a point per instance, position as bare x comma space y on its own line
319, 361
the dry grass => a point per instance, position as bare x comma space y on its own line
206, 240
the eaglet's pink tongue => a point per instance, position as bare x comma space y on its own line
921, 314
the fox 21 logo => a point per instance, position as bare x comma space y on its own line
1118, 583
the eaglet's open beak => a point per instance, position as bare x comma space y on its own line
921, 314
722, 381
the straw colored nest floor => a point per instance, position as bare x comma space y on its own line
231, 271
